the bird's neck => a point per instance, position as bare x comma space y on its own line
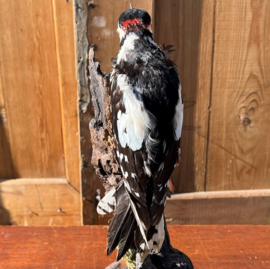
128, 44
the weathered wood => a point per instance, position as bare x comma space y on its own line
222, 247
103, 155
47, 201
239, 137
219, 207
90, 184
31, 89
188, 25
65, 51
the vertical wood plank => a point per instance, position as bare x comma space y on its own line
239, 139
30, 83
65, 51
89, 181
188, 25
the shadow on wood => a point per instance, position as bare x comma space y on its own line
188, 26
7, 169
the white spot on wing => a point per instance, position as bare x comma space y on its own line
122, 170
137, 194
147, 169
127, 186
178, 117
133, 175
161, 167
126, 158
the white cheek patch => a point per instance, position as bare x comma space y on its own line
178, 117
120, 32
132, 126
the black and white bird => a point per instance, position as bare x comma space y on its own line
147, 111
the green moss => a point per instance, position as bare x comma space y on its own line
130, 258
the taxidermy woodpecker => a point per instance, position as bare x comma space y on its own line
147, 117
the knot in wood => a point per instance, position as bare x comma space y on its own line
246, 121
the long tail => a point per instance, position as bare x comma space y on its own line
126, 227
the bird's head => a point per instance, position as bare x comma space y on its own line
134, 20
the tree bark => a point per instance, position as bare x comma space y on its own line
107, 168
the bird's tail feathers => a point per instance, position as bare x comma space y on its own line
138, 220
123, 224
107, 203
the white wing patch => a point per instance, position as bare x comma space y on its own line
133, 124
178, 117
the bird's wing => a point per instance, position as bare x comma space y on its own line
130, 124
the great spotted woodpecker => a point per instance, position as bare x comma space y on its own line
147, 113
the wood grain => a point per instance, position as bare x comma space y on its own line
31, 89
219, 207
65, 51
188, 25
209, 247
90, 184
49, 201
239, 137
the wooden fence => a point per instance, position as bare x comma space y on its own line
222, 52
